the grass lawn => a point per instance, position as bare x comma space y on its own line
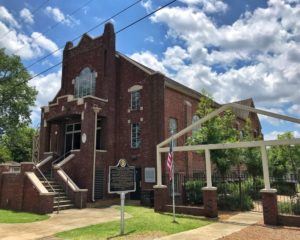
8, 216
143, 223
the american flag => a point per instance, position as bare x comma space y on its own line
170, 161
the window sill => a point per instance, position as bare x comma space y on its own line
101, 150
135, 110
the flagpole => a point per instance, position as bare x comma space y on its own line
173, 180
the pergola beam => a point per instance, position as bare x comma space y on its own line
249, 144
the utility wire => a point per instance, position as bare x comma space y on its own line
33, 12
120, 30
56, 24
79, 36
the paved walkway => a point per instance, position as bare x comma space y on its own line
65, 220
219, 229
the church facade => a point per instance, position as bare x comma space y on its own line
111, 107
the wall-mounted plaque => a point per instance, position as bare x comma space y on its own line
121, 178
150, 175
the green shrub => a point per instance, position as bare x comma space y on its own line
285, 188
193, 191
229, 197
284, 207
290, 207
296, 206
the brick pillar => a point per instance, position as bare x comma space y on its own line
269, 202
210, 201
160, 198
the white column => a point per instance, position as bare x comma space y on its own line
96, 110
158, 167
208, 168
265, 164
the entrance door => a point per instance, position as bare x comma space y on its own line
138, 178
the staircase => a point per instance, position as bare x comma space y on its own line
61, 199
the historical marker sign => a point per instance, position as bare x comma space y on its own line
121, 181
122, 178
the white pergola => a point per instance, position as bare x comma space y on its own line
160, 148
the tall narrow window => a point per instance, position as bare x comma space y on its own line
173, 128
135, 100
195, 119
85, 83
135, 135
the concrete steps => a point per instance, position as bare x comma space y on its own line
61, 201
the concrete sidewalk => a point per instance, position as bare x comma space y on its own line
219, 229
65, 220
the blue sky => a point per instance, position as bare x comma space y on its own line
233, 49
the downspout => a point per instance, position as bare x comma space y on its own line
96, 110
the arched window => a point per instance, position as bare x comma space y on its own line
85, 83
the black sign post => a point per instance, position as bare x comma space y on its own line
121, 181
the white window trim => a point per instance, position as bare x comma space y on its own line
135, 88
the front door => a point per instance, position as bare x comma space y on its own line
138, 178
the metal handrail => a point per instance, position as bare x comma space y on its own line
44, 177
59, 159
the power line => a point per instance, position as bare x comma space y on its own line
33, 12
120, 30
142, 18
79, 36
56, 24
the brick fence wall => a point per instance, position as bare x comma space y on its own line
18, 193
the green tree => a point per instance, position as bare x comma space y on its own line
16, 96
284, 159
17, 146
219, 129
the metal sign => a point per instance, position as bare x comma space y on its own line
121, 178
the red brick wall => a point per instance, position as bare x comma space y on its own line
18, 193
34, 202
12, 191
176, 107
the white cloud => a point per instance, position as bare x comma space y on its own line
26, 15
147, 4
273, 135
149, 59
44, 43
294, 109
149, 39
28, 47
256, 56
47, 86
209, 6
8, 18
59, 16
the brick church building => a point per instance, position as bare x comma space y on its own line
110, 107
